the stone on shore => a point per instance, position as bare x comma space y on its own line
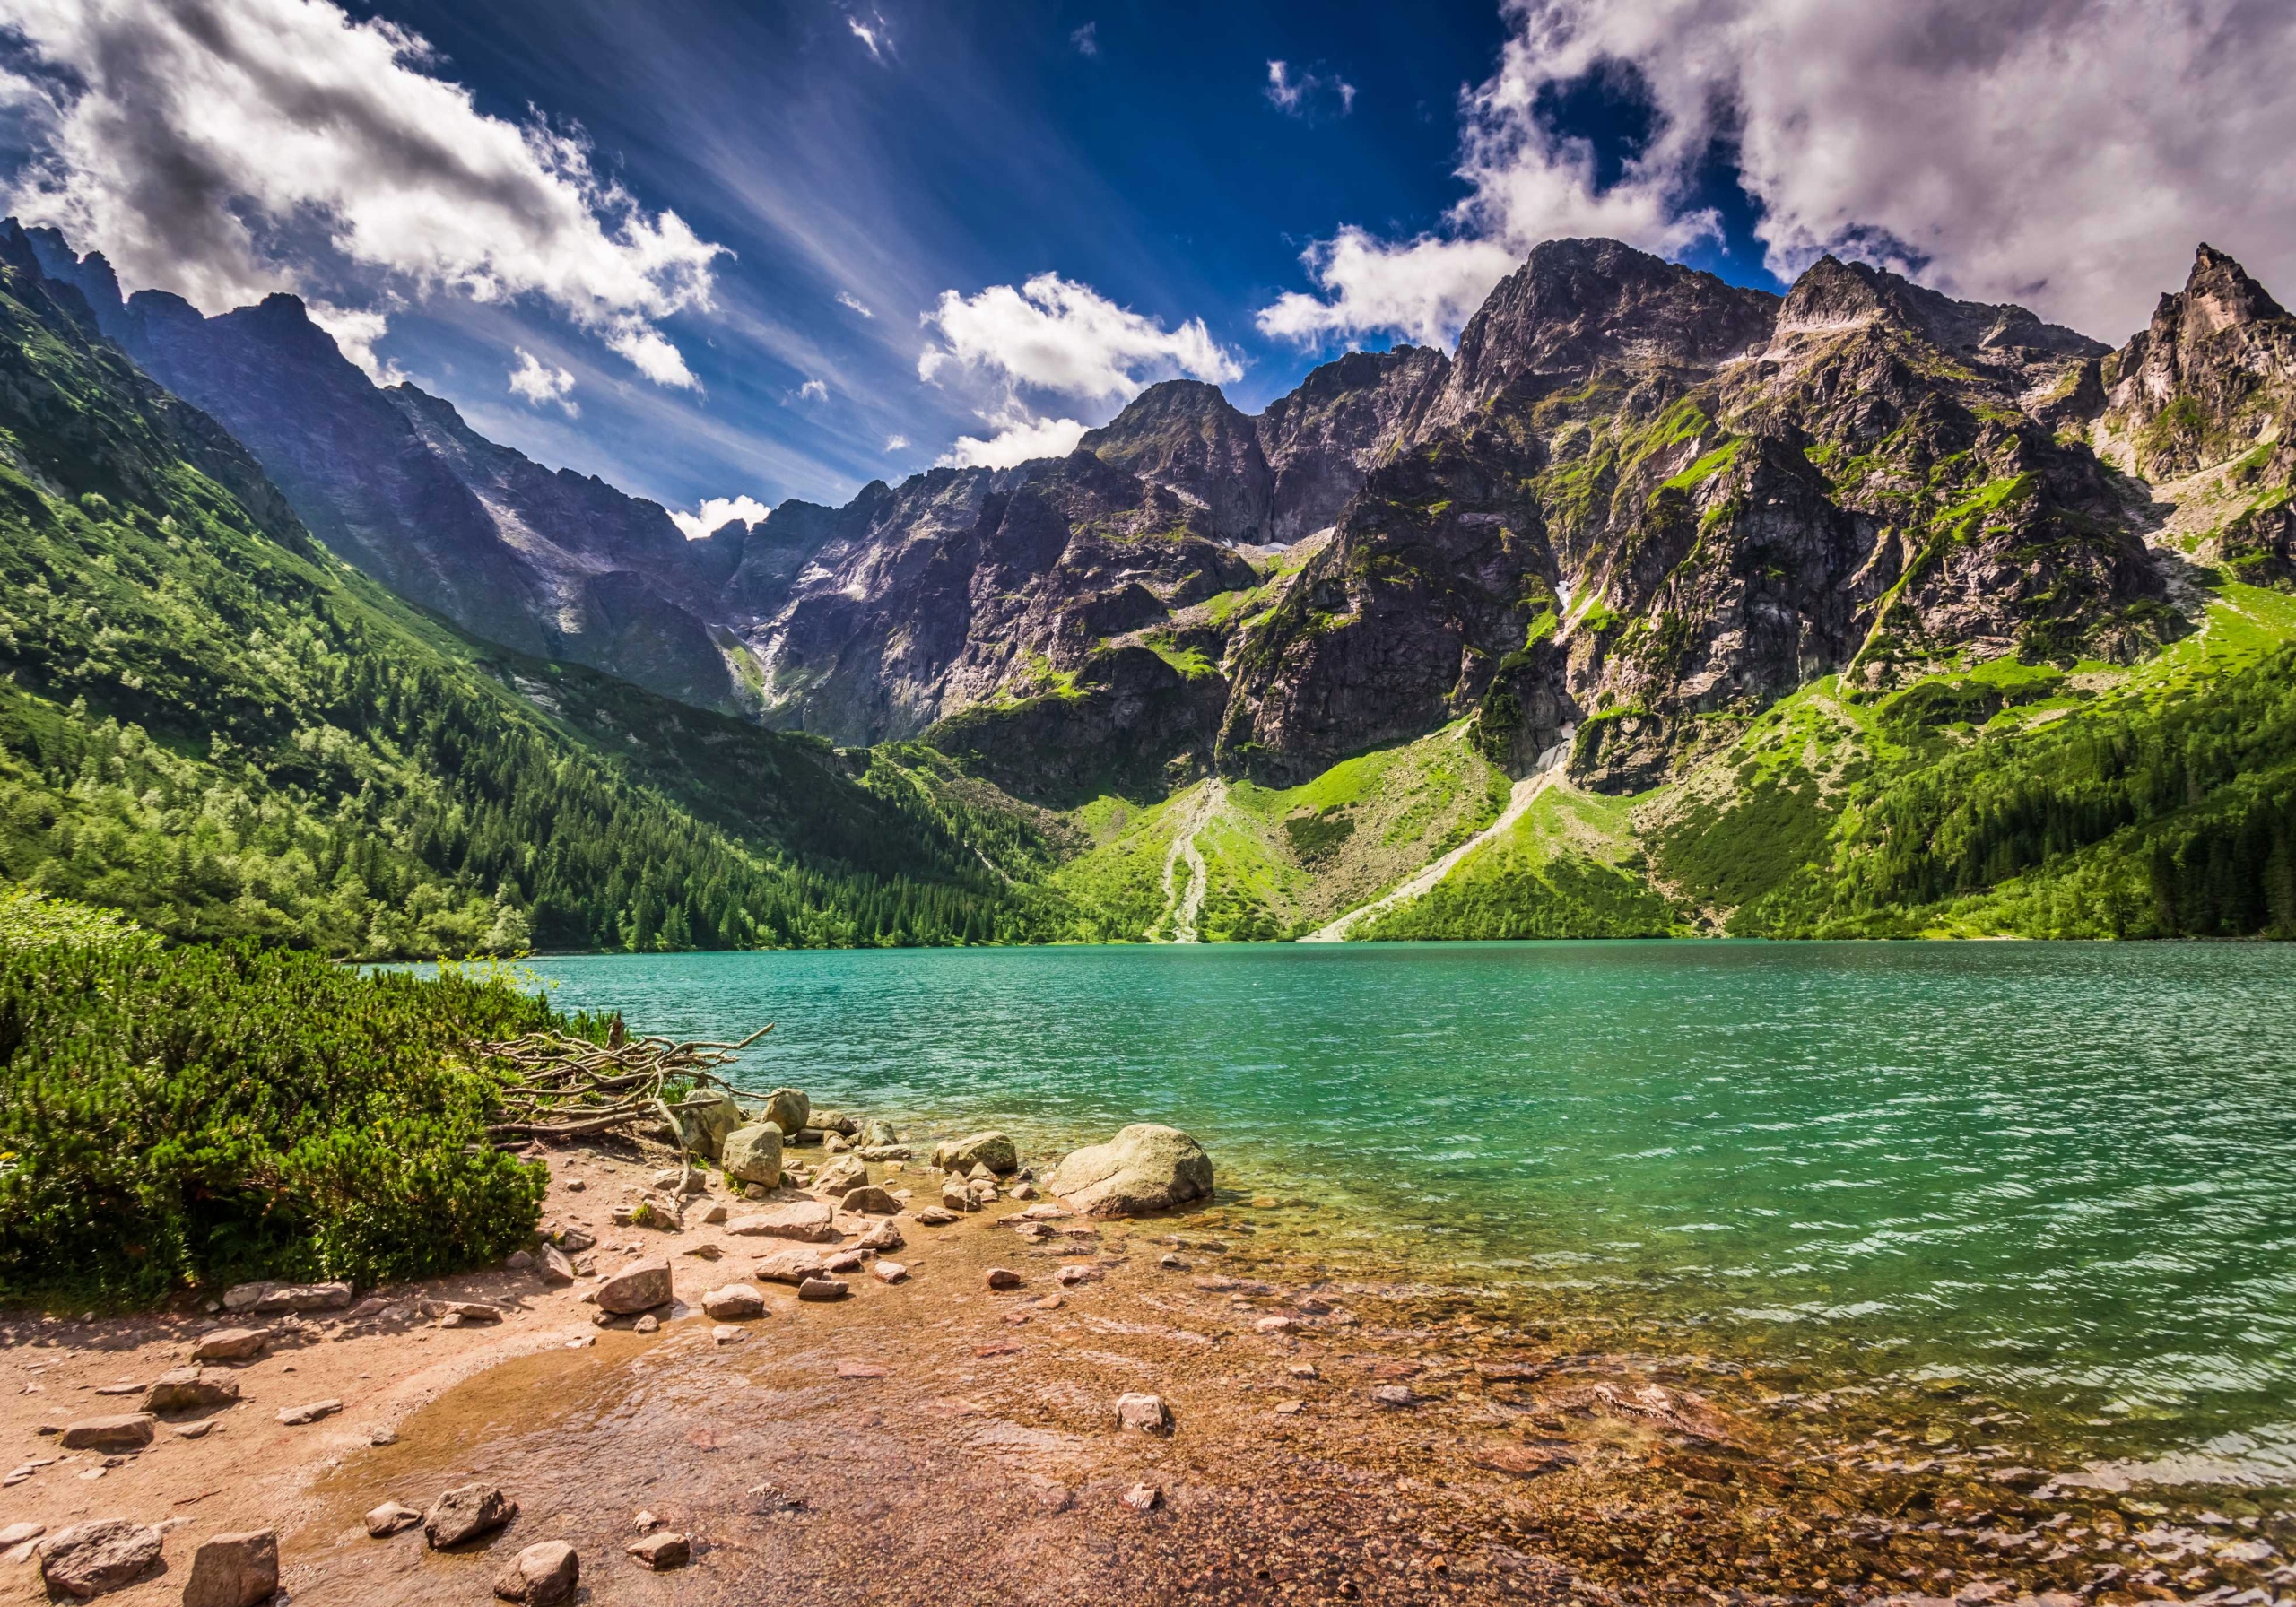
310, 1411
464, 1513
869, 1199
786, 1108
468, 1311
191, 1389
640, 1286
889, 1272
791, 1265
270, 1300
1003, 1277
885, 1152
877, 1135
87, 1560
840, 1175
993, 1151
823, 1289
1143, 1168
661, 1550
883, 1234
956, 1196
809, 1221
231, 1345
935, 1216
706, 1119
736, 1302
1145, 1498
234, 1571
122, 1431
543, 1574
1069, 1277
556, 1266
1145, 1413
752, 1154
392, 1517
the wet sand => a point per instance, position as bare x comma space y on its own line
1355, 1437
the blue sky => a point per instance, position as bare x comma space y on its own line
711, 250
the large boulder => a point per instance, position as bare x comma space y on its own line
640, 1286
705, 1121
87, 1560
1143, 1168
992, 1149
752, 1154
234, 1571
786, 1108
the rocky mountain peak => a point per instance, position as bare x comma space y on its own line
1184, 435
1578, 305
2218, 295
1832, 294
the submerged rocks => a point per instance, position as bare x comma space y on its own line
87, 1560
464, 1513
234, 1571
841, 1176
640, 1286
392, 1517
791, 1267
822, 1288
993, 1151
1143, 1413
752, 1154
1144, 1167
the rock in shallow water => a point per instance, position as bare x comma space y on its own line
466, 1512
1145, 1413
736, 1302
543, 1574
991, 1151
392, 1517
661, 1550
1143, 1168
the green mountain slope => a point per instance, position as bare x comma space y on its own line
209, 723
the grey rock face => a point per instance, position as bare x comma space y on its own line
1184, 435
2214, 373
1322, 440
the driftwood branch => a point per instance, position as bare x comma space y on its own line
557, 1087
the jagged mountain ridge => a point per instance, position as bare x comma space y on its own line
1640, 503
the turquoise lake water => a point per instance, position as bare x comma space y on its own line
2064, 1174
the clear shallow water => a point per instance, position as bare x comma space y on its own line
2063, 1173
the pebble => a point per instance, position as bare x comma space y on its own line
575, 1185
1277, 1324
648, 1323
1289, 1408
1145, 1498
1301, 1370
1394, 1394
191, 1430
1069, 1277
933, 1216
311, 1411
726, 1333
1171, 1264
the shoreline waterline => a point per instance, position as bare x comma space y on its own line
1894, 1164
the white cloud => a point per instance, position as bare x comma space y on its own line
2064, 154
1294, 93
542, 385
228, 148
1058, 335
813, 390
1019, 438
896, 443
716, 511
1087, 39
847, 299
873, 34
355, 333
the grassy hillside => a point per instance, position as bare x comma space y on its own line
208, 722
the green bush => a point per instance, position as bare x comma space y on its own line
197, 1116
